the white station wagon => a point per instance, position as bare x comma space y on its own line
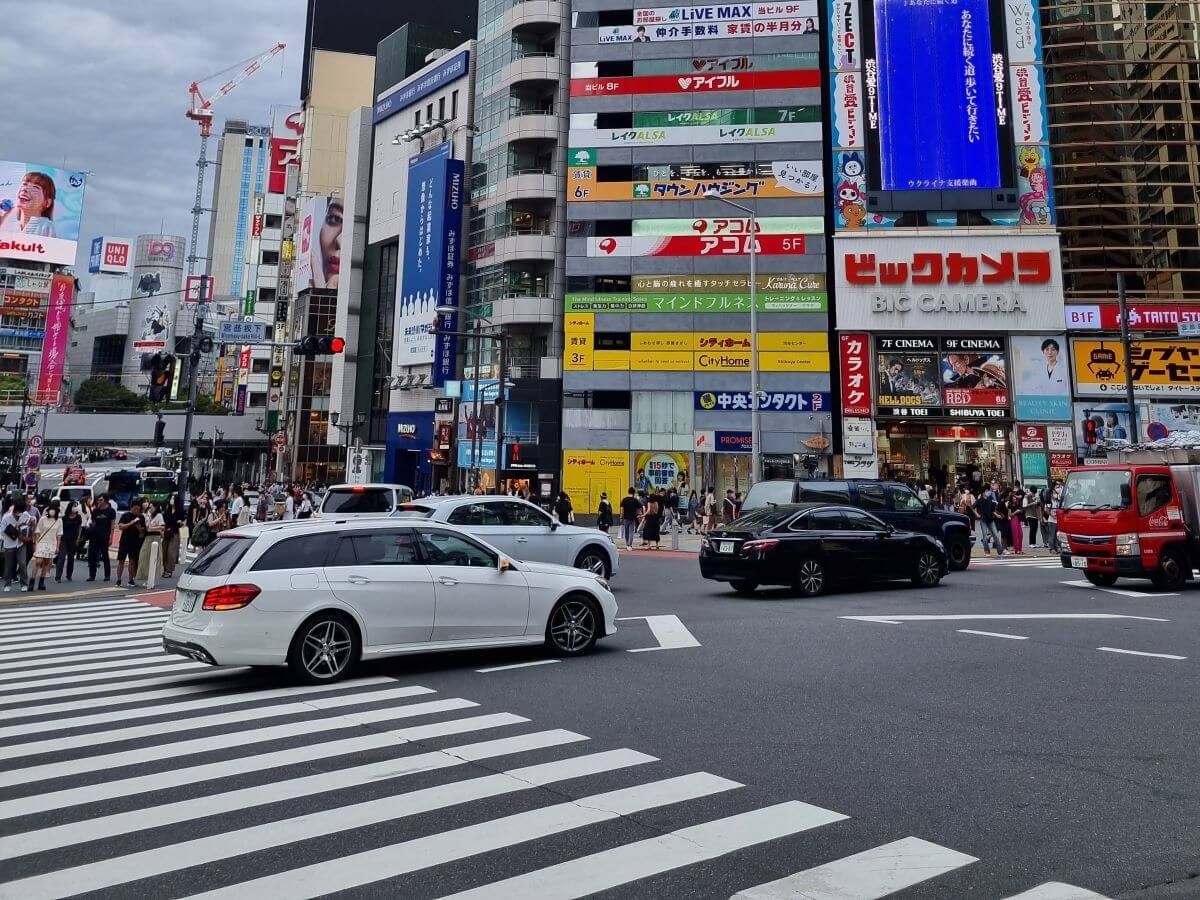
318, 595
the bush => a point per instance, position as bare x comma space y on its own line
102, 395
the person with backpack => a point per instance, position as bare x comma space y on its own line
604, 513
985, 510
99, 535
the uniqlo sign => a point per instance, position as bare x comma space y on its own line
111, 256
855, 366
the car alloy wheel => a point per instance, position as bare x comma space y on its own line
811, 578
326, 649
959, 553
592, 561
929, 570
572, 628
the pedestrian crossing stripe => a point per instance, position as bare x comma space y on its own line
286, 751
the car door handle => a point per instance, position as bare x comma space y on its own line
522, 540
447, 580
358, 579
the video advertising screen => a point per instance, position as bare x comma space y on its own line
936, 79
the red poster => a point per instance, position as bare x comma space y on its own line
54, 346
1032, 437
855, 354
695, 84
284, 152
1061, 461
697, 245
244, 361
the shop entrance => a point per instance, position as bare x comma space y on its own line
943, 455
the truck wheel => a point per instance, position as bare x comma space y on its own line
1101, 579
959, 554
1171, 573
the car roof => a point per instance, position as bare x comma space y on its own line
372, 484
328, 523
458, 498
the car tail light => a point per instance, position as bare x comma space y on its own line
758, 548
230, 596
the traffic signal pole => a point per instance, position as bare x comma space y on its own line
1128, 356
185, 459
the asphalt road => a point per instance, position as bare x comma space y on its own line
1025, 748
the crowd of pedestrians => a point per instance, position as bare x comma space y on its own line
1009, 519
648, 511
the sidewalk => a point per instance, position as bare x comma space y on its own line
690, 543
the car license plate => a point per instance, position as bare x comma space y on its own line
185, 601
1079, 562
725, 546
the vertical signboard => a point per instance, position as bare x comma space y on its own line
855, 355
287, 127
54, 346
432, 262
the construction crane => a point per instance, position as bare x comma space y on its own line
201, 111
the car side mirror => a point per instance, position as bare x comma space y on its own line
1126, 496
890, 529
554, 523
503, 566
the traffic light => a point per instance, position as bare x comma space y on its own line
312, 346
160, 428
1089, 430
162, 372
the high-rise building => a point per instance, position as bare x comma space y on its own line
240, 175
516, 237
1122, 86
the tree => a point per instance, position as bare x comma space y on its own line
102, 395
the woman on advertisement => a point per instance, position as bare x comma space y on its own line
33, 213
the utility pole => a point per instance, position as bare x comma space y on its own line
1128, 355
476, 437
185, 460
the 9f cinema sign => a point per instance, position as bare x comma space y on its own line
949, 282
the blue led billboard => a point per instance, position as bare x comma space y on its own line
938, 95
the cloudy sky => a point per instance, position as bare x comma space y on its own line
102, 86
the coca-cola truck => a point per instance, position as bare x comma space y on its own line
1138, 516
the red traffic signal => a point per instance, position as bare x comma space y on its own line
1089, 431
312, 346
337, 344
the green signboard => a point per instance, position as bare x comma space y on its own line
766, 115
248, 307
1033, 465
582, 157
766, 301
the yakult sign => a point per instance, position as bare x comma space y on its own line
933, 282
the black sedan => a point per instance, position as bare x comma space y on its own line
808, 546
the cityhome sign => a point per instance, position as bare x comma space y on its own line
934, 282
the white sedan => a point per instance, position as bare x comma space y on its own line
319, 595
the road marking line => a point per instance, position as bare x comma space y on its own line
63, 609
1056, 890
98, 763
1118, 591
59, 836
147, 666
74, 626
173, 778
878, 872
263, 711
669, 631
142, 649
103, 640
652, 856
256, 838
98, 650
45, 726
995, 634
87, 592
59, 639
38, 635
1141, 653
461, 843
524, 665
112, 678
896, 620
216, 679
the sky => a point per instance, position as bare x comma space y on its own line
102, 86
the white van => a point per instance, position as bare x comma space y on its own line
361, 500
80, 493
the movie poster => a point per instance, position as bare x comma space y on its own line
909, 374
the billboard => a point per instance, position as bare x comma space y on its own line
699, 245
1142, 316
784, 179
287, 127
704, 31
1041, 382
686, 128
319, 262
949, 282
854, 351
1166, 368
432, 261
716, 82
1168, 417
687, 304
949, 377
40, 209
54, 346
111, 255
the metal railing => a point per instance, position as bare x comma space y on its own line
510, 229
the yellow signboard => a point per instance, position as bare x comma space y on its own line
587, 473
1169, 368
578, 353
579, 321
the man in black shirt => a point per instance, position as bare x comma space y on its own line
99, 536
729, 507
630, 510
133, 531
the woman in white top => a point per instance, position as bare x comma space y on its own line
46, 536
155, 526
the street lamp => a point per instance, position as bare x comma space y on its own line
756, 448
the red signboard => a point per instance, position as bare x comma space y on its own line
54, 347
256, 225
696, 245
1142, 316
1060, 461
244, 361
1032, 437
1023, 267
116, 255
481, 251
956, 432
696, 84
855, 359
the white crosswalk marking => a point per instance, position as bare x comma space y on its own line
878, 872
227, 775
1056, 890
65, 610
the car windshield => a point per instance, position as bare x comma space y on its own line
1094, 490
758, 519
158, 485
412, 511
220, 557
765, 492
74, 493
358, 500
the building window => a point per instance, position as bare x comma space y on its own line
270, 257
454, 104
441, 107
429, 111
257, 399
417, 121
273, 221
260, 366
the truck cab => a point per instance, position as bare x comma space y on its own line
1132, 519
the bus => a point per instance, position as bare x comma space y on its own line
152, 483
